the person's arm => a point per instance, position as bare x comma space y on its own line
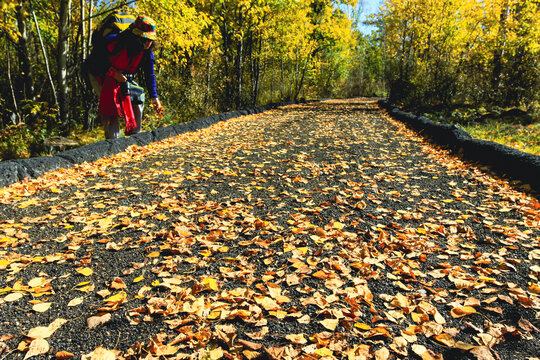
150, 76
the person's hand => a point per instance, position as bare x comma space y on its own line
157, 107
118, 76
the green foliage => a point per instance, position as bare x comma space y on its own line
15, 142
26, 138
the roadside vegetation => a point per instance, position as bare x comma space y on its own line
221, 55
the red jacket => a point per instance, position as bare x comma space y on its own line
111, 101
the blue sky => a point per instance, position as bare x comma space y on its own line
370, 7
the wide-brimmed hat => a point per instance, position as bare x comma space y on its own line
144, 27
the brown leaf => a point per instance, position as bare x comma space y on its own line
482, 353
258, 335
360, 352
275, 353
267, 303
296, 338
526, 325
94, 321
249, 344
431, 328
426, 354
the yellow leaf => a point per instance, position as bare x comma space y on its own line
324, 352
153, 254
4, 262
446, 339
117, 297
338, 225
210, 283
86, 271
362, 326
27, 203
206, 253
138, 279
105, 223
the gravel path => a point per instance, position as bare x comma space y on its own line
321, 230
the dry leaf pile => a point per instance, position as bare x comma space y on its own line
314, 231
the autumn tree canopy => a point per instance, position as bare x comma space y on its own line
444, 52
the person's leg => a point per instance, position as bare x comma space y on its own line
137, 111
111, 126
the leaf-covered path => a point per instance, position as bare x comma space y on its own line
322, 230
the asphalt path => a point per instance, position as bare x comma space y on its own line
319, 230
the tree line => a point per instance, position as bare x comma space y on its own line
212, 56
443, 54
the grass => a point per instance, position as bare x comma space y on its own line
522, 137
85, 137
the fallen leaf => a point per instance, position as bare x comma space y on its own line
425, 354
13, 297
118, 284
482, 353
86, 271
100, 353
296, 338
43, 332
462, 311
37, 347
250, 345
64, 355
330, 324
41, 307
382, 354
94, 321
76, 301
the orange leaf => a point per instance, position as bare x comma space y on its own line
462, 311
118, 284
64, 355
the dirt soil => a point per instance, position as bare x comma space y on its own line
314, 231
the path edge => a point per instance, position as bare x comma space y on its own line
12, 171
505, 161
